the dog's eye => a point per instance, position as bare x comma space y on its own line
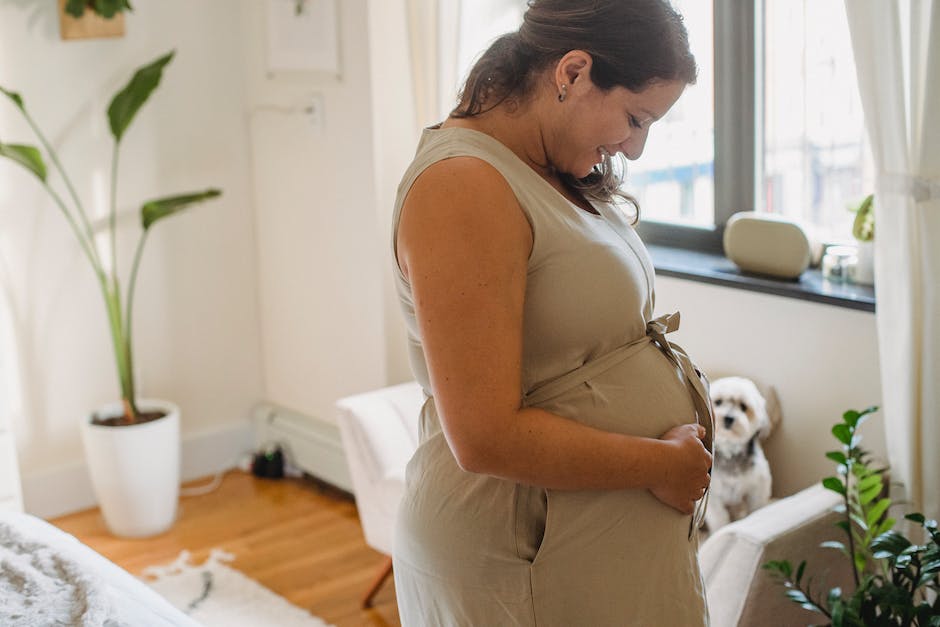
718, 402
743, 407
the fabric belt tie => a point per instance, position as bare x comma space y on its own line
695, 382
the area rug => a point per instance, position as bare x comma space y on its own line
218, 596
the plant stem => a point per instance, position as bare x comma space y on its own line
848, 510
128, 316
119, 332
119, 339
68, 184
112, 226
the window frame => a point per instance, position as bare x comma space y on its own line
738, 60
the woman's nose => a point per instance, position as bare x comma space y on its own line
632, 147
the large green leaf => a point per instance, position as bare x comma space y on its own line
876, 512
889, 544
129, 100
851, 417
869, 482
842, 433
27, 156
834, 484
164, 207
15, 97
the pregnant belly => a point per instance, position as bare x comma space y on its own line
617, 532
643, 395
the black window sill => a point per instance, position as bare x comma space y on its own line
716, 269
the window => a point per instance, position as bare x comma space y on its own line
816, 157
788, 128
674, 180
773, 124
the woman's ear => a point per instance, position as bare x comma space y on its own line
573, 67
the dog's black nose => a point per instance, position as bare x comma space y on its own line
729, 420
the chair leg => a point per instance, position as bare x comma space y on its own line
384, 571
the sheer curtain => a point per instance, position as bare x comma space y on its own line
897, 54
445, 39
433, 34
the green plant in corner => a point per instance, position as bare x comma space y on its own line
863, 227
105, 8
124, 106
896, 581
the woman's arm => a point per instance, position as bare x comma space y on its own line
463, 244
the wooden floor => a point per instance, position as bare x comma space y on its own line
298, 538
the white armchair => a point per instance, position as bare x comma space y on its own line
740, 592
379, 430
380, 434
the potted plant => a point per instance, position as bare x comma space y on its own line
897, 580
105, 8
863, 229
87, 19
132, 446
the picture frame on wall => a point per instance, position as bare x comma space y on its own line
303, 37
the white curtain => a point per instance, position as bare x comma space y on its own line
433, 34
897, 54
446, 37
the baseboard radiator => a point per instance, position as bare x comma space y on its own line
310, 444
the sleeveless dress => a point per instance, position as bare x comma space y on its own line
475, 550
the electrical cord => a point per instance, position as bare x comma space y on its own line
217, 478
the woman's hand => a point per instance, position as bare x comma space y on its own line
687, 474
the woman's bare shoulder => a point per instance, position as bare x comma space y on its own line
465, 199
459, 175
464, 190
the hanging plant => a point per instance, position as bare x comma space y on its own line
105, 8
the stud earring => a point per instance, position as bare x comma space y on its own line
563, 93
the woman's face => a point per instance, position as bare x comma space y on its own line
616, 120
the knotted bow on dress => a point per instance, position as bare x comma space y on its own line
695, 381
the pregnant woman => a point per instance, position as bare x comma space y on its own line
564, 443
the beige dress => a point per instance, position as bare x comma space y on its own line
474, 550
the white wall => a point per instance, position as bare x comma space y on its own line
396, 133
321, 255
822, 360
196, 324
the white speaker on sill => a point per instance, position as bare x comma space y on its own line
767, 244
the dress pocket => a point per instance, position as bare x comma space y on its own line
530, 512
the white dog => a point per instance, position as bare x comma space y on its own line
740, 480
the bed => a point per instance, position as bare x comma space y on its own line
48, 577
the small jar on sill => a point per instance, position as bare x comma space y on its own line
836, 263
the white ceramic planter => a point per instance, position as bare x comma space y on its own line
135, 470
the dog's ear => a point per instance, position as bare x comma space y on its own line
774, 411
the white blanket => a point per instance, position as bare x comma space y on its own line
47, 577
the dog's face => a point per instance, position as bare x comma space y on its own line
740, 411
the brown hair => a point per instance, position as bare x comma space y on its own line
632, 42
